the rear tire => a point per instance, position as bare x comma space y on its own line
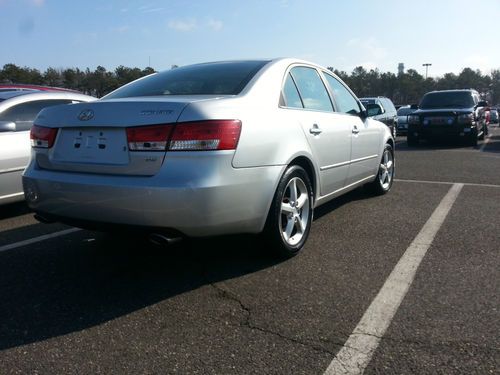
290, 216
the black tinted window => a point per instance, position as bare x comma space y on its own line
311, 88
221, 78
447, 100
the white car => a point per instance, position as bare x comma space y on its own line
18, 109
209, 149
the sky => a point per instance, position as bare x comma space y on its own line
343, 34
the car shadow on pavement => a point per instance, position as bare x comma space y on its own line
74, 282
10, 210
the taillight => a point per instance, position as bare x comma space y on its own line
206, 135
186, 136
149, 138
42, 137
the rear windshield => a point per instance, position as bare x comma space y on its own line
219, 78
405, 111
367, 101
457, 99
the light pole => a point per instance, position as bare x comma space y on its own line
426, 68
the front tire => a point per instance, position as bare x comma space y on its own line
290, 217
385, 176
473, 138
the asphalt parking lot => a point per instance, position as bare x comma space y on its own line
74, 301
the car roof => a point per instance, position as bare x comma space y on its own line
454, 90
22, 86
26, 96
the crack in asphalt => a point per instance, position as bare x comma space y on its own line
246, 323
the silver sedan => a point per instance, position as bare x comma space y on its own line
209, 149
18, 109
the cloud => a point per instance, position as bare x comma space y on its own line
149, 8
152, 10
215, 25
368, 46
120, 29
183, 25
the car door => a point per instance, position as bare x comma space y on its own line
364, 133
327, 135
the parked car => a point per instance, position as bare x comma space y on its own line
387, 112
18, 109
403, 113
458, 114
28, 87
209, 149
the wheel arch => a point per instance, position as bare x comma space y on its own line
308, 166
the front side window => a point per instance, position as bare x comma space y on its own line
311, 88
346, 102
23, 114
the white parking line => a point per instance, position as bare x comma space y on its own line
447, 183
486, 140
364, 340
37, 239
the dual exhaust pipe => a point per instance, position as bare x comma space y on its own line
158, 239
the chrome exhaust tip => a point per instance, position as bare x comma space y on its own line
162, 240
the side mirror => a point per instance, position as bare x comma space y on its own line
374, 109
7, 126
414, 106
482, 103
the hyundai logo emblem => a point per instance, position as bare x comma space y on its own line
86, 115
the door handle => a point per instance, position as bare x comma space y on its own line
315, 130
355, 130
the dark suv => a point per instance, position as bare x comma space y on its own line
383, 111
449, 113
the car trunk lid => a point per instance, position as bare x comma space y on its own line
92, 137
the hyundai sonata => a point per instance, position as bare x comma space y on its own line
209, 149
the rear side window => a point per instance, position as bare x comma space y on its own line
220, 78
311, 88
345, 101
24, 114
388, 105
290, 94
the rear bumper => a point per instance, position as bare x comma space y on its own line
192, 196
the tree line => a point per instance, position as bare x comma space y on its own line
96, 83
410, 86
403, 88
